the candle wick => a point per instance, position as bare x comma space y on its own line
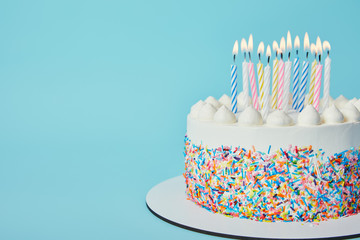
307, 55
328, 52
245, 56
234, 58
259, 58
249, 57
289, 56
268, 59
297, 52
320, 58
281, 55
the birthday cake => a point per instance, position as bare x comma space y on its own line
283, 165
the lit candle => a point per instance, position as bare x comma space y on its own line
281, 75
245, 74
267, 73
287, 77
252, 76
274, 94
318, 76
260, 72
304, 74
327, 69
313, 74
296, 74
234, 79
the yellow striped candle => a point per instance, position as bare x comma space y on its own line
275, 83
312, 75
312, 82
260, 70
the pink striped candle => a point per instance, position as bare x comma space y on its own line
317, 86
253, 86
281, 84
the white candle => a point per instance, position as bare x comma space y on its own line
281, 87
245, 74
287, 80
326, 91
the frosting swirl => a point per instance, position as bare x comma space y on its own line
224, 115
350, 112
332, 115
207, 112
225, 100
309, 116
250, 117
279, 118
213, 101
196, 108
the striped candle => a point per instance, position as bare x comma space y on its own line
234, 88
275, 84
317, 87
302, 89
266, 107
245, 76
296, 84
326, 93
253, 86
281, 84
286, 90
260, 71
312, 82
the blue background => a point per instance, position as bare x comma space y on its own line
94, 97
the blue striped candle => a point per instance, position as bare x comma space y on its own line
234, 88
296, 83
304, 77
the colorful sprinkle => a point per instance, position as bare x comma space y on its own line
289, 184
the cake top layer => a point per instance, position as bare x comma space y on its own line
340, 110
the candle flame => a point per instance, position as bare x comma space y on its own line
261, 48
275, 46
313, 49
236, 48
268, 51
282, 45
288, 41
326, 46
243, 45
318, 46
250, 43
297, 42
306, 42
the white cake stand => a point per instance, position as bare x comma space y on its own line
167, 201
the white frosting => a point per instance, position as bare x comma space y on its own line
350, 112
240, 100
353, 101
331, 101
224, 115
332, 115
213, 101
207, 112
196, 108
357, 104
309, 116
331, 138
225, 100
341, 101
250, 117
278, 118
